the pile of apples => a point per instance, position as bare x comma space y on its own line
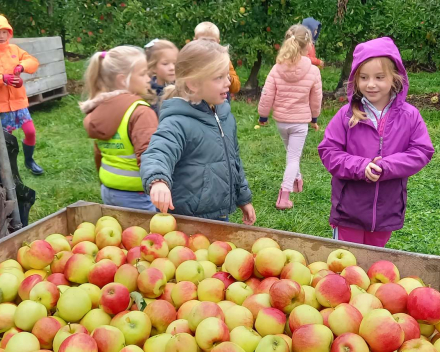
105, 289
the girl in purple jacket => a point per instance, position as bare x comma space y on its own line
372, 145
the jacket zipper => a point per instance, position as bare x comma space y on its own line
227, 159
380, 130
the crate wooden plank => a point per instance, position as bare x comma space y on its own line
38, 45
50, 56
49, 95
45, 84
313, 248
46, 70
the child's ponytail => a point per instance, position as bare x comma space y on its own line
93, 81
296, 43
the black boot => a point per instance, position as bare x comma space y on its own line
29, 161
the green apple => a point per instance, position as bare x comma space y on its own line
7, 312
208, 267
23, 342
127, 275
79, 343
82, 235
270, 321
94, 319
46, 293
182, 342
135, 325
166, 266
202, 311
239, 316
211, 289
264, 242
28, 313
86, 247
211, 332
58, 242
65, 332
240, 264
247, 338
162, 224
176, 238
9, 284
190, 270
107, 221
157, 343
78, 267
73, 304
180, 254
108, 236
10, 263
94, 293
272, 343
237, 292
294, 256
178, 326
202, 255
182, 292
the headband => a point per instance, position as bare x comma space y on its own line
151, 44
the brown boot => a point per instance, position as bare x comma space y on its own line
283, 201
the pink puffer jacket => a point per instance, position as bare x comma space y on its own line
294, 92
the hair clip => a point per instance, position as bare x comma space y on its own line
151, 44
103, 54
293, 37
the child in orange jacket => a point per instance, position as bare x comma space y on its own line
315, 28
14, 104
208, 30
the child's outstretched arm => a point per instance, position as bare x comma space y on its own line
159, 160
28, 63
411, 161
267, 98
333, 155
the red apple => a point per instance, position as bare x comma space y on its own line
240, 264
320, 275
257, 302
409, 325
270, 261
103, 273
79, 342
253, 282
217, 252
184, 291
134, 255
46, 293
115, 254
176, 238
151, 282
311, 338
108, 338
210, 332
115, 298
180, 254
266, 284
345, 318
154, 246
45, 330
304, 315
355, 275
86, 247
286, 295
58, 279
393, 297
132, 237
349, 342
161, 314
383, 271
78, 267
365, 303
270, 321
202, 311
40, 254
59, 261
424, 305
225, 277
27, 285
127, 275
198, 241
332, 290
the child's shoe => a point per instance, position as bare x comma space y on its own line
298, 185
283, 201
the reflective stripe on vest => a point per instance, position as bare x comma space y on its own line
119, 168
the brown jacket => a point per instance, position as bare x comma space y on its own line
235, 81
105, 113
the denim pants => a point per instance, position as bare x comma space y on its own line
126, 199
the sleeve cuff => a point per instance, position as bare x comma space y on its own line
314, 119
263, 119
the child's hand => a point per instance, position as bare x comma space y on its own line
160, 196
321, 65
249, 216
315, 126
18, 70
11, 80
263, 121
372, 171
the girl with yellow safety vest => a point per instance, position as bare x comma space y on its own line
121, 121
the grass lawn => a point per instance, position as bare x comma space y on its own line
65, 152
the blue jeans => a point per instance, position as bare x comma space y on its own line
126, 199
222, 218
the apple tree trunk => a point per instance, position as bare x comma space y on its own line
252, 82
346, 68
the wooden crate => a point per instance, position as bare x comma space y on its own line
313, 248
49, 82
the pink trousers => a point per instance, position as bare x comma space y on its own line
377, 238
294, 137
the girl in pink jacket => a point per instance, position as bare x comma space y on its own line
293, 89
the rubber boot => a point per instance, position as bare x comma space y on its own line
29, 162
298, 185
283, 201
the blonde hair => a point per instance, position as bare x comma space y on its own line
154, 53
104, 66
296, 42
389, 68
198, 60
206, 30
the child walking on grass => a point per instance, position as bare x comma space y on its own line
192, 165
14, 103
121, 122
371, 147
293, 89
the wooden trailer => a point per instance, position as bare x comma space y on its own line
49, 82
314, 248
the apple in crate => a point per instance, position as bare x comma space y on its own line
58, 279
272, 343
166, 266
83, 234
73, 304
264, 242
212, 290
317, 266
381, 331
294, 256
95, 318
59, 262
132, 237
310, 297
256, 302
65, 332
312, 337
78, 267
345, 318
58, 242
86, 247
225, 277
355, 275
115, 254
127, 275
365, 303
7, 312
134, 255
240, 264
303, 315
383, 272
409, 325
45, 330
176, 238
418, 345
393, 297
332, 290
270, 321
79, 342
45, 293
246, 338
180, 254
162, 224
154, 246
135, 325
238, 292
23, 342
115, 298
28, 313
102, 273
266, 284
202, 311
190, 270
108, 338
209, 268
182, 342
270, 261
151, 282
108, 236
238, 316
198, 241
178, 326
94, 293
161, 314
211, 332
182, 292
424, 305
25, 287
349, 342
339, 259
286, 295
319, 276
409, 284
157, 343
217, 252
40, 254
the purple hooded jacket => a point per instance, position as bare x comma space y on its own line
405, 148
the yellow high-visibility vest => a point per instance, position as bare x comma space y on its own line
119, 168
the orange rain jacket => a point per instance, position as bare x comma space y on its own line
13, 99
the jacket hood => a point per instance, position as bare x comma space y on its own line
313, 25
4, 24
377, 48
294, 73
180, 106
105, 112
